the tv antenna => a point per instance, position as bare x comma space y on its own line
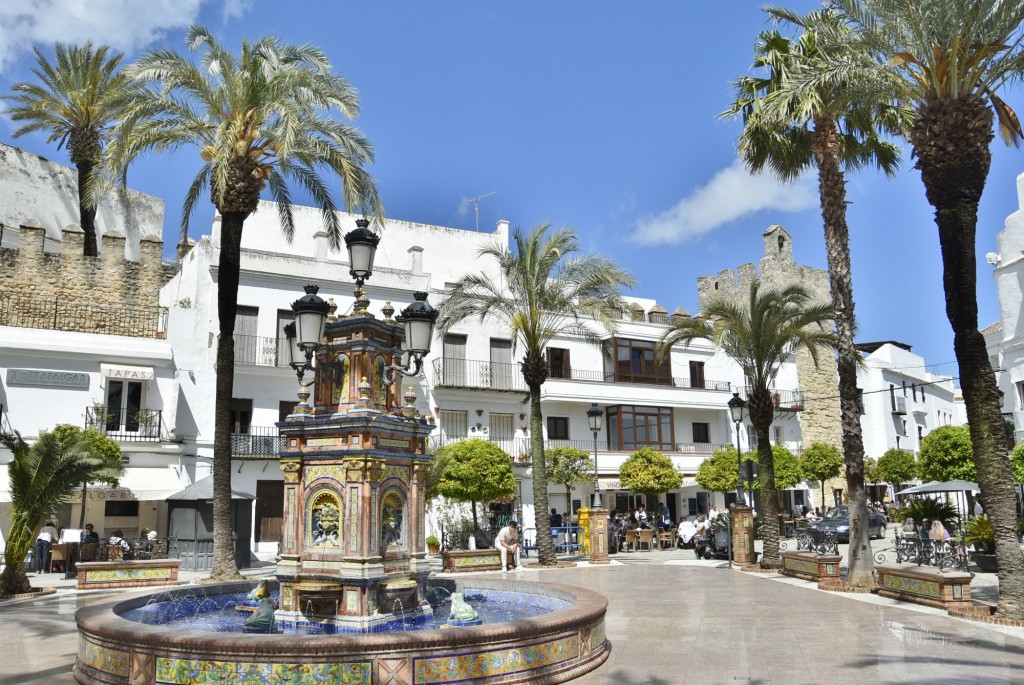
476, 205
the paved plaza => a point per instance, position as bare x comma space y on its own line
670, 619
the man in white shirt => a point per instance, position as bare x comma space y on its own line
43, 542
713, 514
978, 508
508, 542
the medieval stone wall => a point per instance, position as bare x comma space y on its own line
820, 418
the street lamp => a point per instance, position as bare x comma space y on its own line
736, 407
362, 248
304, 337
595, 417
419, 319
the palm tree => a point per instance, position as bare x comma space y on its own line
42, 476
77, 100
544, 291
947, 60
789, 133
760, 334
258, 119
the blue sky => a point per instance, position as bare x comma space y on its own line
597, 115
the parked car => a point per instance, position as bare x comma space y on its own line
837, 520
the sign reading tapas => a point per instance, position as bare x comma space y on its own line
61, 379
129, 373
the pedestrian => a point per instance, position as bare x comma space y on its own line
555, 520
979, 508
44, 541
507, 542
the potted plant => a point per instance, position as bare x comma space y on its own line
978, 531
433, 544
148, 421
101, 417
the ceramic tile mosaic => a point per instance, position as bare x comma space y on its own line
915, 586
114, 575
104, 659
493, 663
170, 671
801, 565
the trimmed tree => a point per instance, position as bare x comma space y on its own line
1017, 460
474, 471
947, 454
649, 472
821, 462
44, 475
895, 467
569, 466
718, 473
788, 472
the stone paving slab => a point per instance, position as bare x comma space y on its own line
676, 620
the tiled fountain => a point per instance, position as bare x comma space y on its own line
355, 606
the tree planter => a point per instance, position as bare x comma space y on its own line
986, 562
434, 549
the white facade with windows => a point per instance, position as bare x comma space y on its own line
903, 401
1005, 338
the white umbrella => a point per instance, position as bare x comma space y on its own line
941, 486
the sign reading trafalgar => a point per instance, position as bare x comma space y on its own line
62, 379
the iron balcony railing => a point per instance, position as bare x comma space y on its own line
139, 425
258, 441
783, 400
62, 314
465, 373
258, 350
518, 448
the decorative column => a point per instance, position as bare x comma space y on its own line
583, 520
743, 535
598, 536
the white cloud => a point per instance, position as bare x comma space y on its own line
731, 194
124, 25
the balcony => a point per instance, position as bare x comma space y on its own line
463, 373
140, 425
783, 400
453, 372
519, 447
899, 405
259, 442
61, 314
256, 350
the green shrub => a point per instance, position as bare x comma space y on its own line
931, 509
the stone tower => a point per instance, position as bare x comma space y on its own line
820, 419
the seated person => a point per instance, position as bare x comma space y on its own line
938, 531
507, 542
909, 529
924, 530
686, 531
808, 514
117, 539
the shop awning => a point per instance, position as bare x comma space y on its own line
138, 484
202, 489
128, 373
609, 483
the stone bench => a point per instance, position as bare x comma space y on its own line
811, 566
94, 575
924, 585
462, 561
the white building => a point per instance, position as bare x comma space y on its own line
472, 386
1005, 338
82, 340
903, 401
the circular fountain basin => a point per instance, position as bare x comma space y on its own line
550, 647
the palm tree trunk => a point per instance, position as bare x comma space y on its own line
832, 192
951, 141
224, 567
87, 209
759, 405
545, 544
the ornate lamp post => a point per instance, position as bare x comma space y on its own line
736, 407
595, 417
304, 338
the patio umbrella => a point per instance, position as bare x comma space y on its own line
941, 486
958, 486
